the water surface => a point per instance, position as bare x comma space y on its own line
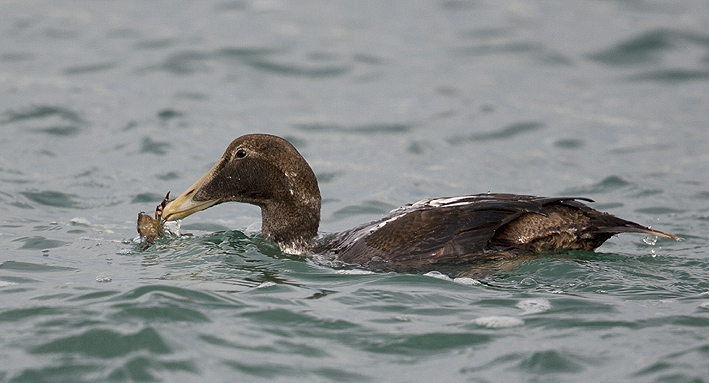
108, 105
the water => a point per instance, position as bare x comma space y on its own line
108, 105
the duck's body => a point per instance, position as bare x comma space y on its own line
436, 234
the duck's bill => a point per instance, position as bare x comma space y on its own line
185, 204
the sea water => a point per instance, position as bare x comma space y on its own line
106, 106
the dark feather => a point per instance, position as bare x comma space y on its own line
475, 229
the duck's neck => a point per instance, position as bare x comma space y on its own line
292, 225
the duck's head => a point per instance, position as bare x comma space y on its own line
266, 171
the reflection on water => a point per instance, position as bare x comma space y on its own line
108, 105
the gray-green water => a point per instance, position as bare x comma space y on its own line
107, 105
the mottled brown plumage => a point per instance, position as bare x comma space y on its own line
444, 234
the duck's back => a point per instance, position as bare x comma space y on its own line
444, 233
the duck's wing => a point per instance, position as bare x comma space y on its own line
432, 234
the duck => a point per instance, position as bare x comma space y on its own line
438, 234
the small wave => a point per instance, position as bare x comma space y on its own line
39, 243
610, 183
106, 343
54, 198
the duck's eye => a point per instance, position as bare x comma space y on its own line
241, 153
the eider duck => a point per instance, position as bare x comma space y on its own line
439, 234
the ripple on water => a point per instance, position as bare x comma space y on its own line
47, 119
89, 68
366, 207
39, 243
150, 146
606, 185
671, 75
428, 343
505, 133
159, 310
261, 59
277, 370
105, 343
651, 48
368, 129
647, 47
642, 49
147, 198
32, 267
569, 143
550, 361
54, 198
176, 293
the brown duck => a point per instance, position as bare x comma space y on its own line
440, 234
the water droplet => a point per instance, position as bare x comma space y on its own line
650, 240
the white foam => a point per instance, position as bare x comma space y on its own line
355, 272
467, 281
461, 280
533, 305
6, 283
498, 322
438, 275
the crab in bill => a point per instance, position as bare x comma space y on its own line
149, 228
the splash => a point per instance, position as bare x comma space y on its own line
650, 240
